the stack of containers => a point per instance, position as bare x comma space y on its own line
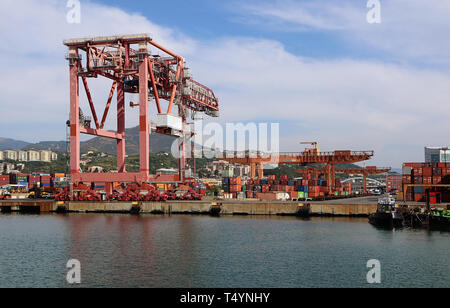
22, 179
34, 180
426, 174
284, 179
302, 192
226, 185
272, 188
339, 188
4, 180
201, 188
100, 186
59, 178
347, 188
235, 186
394, 182
45, 180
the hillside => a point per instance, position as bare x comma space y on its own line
11, 144
158, 143
55, 146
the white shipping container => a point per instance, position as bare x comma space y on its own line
406, 170
283, 196
170, 121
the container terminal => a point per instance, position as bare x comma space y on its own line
133, 65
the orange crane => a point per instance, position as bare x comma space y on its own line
309, 156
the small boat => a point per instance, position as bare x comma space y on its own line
440, 220
386, 215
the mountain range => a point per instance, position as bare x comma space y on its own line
158, 143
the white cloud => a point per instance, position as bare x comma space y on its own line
414, 29
344, 103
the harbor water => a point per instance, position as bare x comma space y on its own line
226, 252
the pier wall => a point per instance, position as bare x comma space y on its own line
193, 207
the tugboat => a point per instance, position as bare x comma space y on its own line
440, 220
386, 216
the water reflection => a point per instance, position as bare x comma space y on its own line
191, 251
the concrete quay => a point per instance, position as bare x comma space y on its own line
228, 207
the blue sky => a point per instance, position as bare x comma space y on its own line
209, 19
316, 67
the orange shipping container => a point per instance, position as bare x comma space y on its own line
235, 181
235, 188
293, 194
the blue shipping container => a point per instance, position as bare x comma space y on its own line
418, 190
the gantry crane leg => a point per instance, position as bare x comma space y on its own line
331, 177
253, 170
260, 171
365, 182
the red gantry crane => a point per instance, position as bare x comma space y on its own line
130, 66
309, 156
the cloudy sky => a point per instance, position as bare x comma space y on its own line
316, 67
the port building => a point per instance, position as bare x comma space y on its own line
437, 155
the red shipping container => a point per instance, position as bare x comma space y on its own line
418, 197
315, 189
437, 180
418, 172
406, 179
284, 177
266, 196
250, 194
428, 171
428, 180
